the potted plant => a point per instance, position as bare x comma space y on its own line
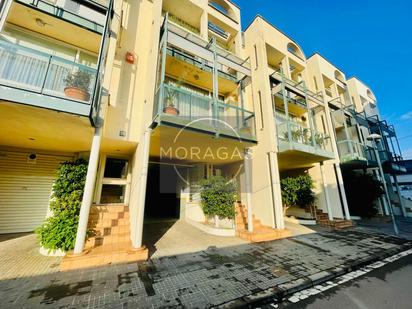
170, 98
319, 140
77, 85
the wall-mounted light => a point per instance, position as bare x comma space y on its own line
130, 57
40, 22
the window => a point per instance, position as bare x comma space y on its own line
115, 168
71, 6
261, 110
256, 57
294, 50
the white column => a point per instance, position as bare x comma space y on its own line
142, 188
276, 191
248, 184
342, 191
325, 191
88, 191
399, 195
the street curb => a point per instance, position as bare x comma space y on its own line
282, 291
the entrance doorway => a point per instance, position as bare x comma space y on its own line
114, 181
162, 193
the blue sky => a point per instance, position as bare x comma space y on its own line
369, 39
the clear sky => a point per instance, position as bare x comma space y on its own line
371, 39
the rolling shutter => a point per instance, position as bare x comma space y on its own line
25, 188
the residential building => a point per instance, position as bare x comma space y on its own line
173, 92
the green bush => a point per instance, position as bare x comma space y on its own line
59, 230
297, 191
218, 196
362, 192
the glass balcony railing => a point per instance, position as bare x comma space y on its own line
295, 133
351, 150
184, 107
34, 71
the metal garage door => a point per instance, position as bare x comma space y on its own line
25, 188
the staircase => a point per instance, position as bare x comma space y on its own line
110, 243
338, 224
260, 232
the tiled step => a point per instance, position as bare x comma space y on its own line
263, 234
104, 255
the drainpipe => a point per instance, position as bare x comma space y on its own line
248, 168
88, 191
399, 195
276, 191
342, 190
325, 190
142, 189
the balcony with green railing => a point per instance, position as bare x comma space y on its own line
35, 78
296, 137
176, 105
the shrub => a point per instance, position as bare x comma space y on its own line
59, 230
362, 191
297, 191
218, 196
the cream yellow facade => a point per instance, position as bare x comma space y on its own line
174, 87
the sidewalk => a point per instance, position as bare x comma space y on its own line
404, 226
233, 275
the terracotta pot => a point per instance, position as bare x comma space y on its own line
76, 93
171, 110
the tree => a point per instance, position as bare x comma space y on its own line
362, 192
297, 191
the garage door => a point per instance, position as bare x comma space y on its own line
25, 187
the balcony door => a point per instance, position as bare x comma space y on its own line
114, 180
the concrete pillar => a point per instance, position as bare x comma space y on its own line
248, 186
326, 191
402, 204
142, 188
342, 191
88, 191
276, 191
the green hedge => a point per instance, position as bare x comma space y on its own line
59, 230
297, 191
218, 197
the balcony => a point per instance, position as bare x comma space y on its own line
177, 106
85, 17
294, 137
34, 78
352, 153
217, 30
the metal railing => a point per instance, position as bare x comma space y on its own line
200, 110
293, 132
34, 71
218, 30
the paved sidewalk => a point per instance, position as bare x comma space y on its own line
404, 226
232, 275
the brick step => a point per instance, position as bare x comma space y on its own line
105, 231
109, 208
263, 234
113, 238
105, 255
109, 215
243, 226
108, 223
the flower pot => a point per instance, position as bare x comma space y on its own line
246, 130
76, 93
171, 110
